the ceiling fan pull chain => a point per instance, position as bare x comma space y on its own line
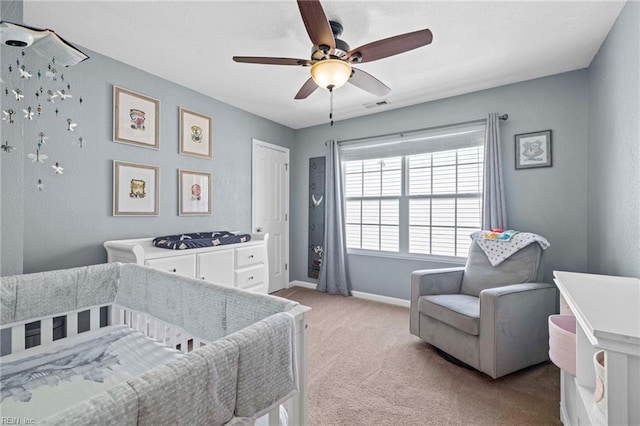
331, 106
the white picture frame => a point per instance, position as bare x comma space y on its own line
196, 134
136, 189
194, 195
136, 118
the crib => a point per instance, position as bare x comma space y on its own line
146, 347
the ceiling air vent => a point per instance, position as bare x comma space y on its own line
377, 104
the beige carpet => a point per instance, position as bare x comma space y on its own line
365, 368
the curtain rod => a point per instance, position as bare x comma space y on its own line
503, 117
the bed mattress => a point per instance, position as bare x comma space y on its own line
42, 381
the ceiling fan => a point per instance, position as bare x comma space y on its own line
331, 58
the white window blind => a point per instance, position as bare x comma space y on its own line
416, 194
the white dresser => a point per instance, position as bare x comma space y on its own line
242, 265
607, 311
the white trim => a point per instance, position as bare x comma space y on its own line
303, 284
358, 294
461, 261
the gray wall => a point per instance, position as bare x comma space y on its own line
66, 223
614, 150
549, 201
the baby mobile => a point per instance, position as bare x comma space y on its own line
37, 96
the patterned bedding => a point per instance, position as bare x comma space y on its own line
200, 240
42, 381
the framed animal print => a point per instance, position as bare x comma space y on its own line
136, 118
194, 196
533, 150
136, 189
196, 134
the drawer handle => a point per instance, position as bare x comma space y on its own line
174, 270
251, 277
251, 256
203, 278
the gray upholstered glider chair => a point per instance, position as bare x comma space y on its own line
491, 318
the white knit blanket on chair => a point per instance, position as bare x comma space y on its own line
497, 251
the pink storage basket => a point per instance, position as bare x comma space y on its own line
562, 342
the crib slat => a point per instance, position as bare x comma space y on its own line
184, 343
168, 336
134, 320
46, 331
159, 334
17, 338
94, 318
274, 416
151, 327
116, 315
140, 323
72, 324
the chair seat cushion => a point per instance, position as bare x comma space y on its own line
457, 310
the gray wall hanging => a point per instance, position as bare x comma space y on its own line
316, 215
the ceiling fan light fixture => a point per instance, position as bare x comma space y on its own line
331, 73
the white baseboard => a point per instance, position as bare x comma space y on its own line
358, 294
305, 284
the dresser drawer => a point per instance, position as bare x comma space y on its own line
250, 277
181, 265
247, 256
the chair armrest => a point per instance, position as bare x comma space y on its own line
430, 282
513, 326
512, 289
436, 281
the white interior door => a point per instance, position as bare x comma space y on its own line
270, 199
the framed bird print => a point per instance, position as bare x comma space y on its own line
196, 134
136, 118
194, 196
136, 189
533, 150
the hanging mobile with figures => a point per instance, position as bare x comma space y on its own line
23, 77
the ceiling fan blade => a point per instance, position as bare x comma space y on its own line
272, 61
391, 46
368, 83
316, 23
307, 88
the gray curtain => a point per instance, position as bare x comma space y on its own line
494, 209
334, 277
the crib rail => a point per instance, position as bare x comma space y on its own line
34, 332
163, 332
15, 338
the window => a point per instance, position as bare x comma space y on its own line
418, 196
372, 213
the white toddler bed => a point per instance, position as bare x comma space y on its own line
166, 350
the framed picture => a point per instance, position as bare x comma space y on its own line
136, 118
194, 193
196, 134
533, 150
136, 189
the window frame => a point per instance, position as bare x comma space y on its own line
404, 219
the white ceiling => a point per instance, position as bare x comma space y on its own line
476, 45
